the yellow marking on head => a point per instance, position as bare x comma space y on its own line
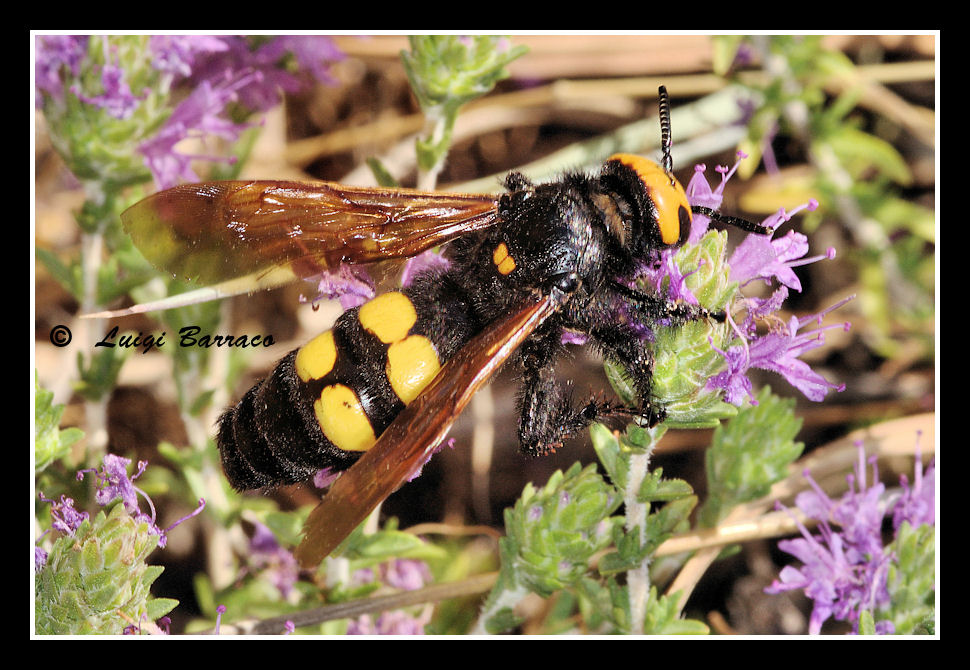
316, 358
503, 261
388, 316
666, 193
411, 365
342, 419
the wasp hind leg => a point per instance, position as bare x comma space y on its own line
547, 415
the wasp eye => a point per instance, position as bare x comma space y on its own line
568, 283
685, 223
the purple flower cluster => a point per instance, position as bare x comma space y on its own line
222, 72
64, 519
403, 573
770, 259
112, 482
54, 55
845, 567
350, 284
272, 561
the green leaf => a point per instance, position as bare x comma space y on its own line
684, 358
99, 373
381, 173
867, 626
725, 50
655, 489
861, 151
68, 276
607, 448
387, 544
503, 620
663, 617
445, 72
159, 607
50, 443
749, 453
671, 518
912, 580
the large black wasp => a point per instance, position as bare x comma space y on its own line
380, 390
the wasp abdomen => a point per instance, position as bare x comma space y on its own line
328, 402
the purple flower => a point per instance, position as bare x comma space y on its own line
402, 573
325, 477
178, 54
423, 262
761, 257
40, 558
112, 482
666, 274
116, 97
778, 351
225, 76
917, 504
313, 55
406, 574
450, 443
394, 622
843, 571
198, 116
770, 259
268, 558
699, 193
54, 53
350, 284
859, 512
220, 610
734, 380
64, 518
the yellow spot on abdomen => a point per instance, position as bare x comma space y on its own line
343, 420
411, 364
503, 261
388, 316
317, 357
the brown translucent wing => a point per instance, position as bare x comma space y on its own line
218, 231
413, 436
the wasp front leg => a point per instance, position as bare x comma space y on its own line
621, 342
645, 308
622, 346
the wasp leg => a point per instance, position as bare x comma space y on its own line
647, 308
621, 343
547, 415
625, 348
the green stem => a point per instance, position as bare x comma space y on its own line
638, 579
498, 600
436, 131
95, 410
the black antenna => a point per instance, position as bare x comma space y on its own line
665, 138
737, 222
668, 166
